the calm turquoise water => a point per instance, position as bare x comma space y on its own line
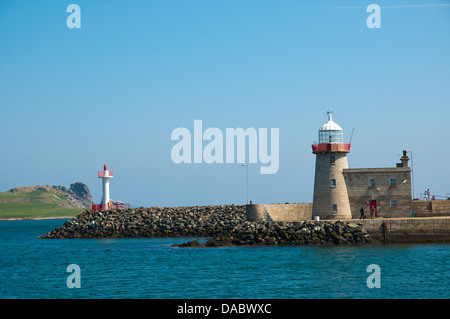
150, 268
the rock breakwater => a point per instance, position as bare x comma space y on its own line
199, 221
290, 234
226, 224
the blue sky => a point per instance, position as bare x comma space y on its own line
112, 92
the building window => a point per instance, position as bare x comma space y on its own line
393, 203
371, 182
333, 183
334, 208
393, 181
332, 159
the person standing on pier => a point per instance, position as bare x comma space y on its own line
374, 210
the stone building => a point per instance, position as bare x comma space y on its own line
386, 191
340, 192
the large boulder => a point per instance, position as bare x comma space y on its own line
81, 193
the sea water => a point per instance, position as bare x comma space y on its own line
152, 268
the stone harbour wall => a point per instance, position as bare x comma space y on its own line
279, 212
408, 230
431, 208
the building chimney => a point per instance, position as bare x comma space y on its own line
404, 159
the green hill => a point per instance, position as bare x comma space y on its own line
44, 201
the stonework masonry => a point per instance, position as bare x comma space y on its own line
431, 208
330, 191
303, 211
409, 230
279, 212
389, 187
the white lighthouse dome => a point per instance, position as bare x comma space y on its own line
331, 132
330, 125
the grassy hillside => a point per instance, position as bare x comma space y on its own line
37, 203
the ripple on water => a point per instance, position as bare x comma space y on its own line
151, 268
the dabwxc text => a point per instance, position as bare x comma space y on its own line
240, 308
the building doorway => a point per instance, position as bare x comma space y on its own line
372, 205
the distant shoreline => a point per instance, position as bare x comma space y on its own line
35, 218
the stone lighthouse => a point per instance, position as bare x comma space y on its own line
330, 199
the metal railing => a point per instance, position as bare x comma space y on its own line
111, 206
432, 197
331, 147
105, 173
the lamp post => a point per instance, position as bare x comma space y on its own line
412, 170
246, 168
